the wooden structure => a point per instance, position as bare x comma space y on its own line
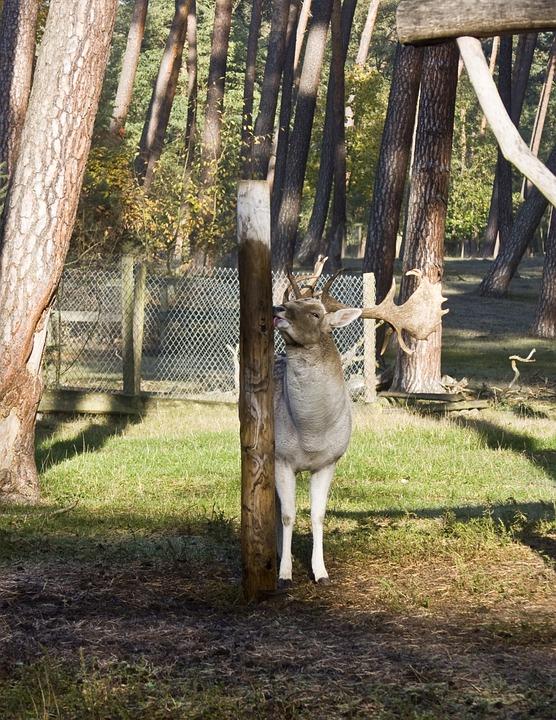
258, 527
431, 21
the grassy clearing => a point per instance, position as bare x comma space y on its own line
121, 595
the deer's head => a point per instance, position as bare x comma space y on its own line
304, 319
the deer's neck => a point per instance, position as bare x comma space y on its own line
315, 390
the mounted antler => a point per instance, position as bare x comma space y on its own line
419, 315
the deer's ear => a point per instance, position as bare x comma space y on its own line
342, 317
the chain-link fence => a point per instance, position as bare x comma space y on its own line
187, 328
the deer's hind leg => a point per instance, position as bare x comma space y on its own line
320, 485
285, 487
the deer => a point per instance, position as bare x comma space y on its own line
312, 406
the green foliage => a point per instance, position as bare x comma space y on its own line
369, 90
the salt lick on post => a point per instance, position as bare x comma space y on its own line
309, 416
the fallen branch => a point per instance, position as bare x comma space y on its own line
515, 359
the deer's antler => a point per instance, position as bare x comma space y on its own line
304, 285
419, 315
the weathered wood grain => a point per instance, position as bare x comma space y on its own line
425, 21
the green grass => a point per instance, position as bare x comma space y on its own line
123, 586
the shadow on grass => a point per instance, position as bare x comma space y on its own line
93, 437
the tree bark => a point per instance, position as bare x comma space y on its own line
503, 167
276, 174
212, 138
424, 246
497, 280
39, 215
192, 83
17, 51
337, 75
264, 125
544, 324
491, 66
249, 89
129, 68
162, 98
366, 35
288, 216
312, 242
504, 88
542, 109
393, 163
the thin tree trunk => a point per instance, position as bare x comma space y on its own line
544, 324
337, 86
212, 137
264, 125
522, 70
393, 163
192, 83
312, 242
277, 170
17, 50
129, 68
367, 33
491, 66
491, 231
162, 98
304, 15
503, 167
542, 110
497, 280
424, 248
39, 215
249, 89
288, 216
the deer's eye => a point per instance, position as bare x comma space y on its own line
315, 315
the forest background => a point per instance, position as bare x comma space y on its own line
180, 209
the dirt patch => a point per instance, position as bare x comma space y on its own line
334, 653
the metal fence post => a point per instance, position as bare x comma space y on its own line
139, 292
369, 339
128, 282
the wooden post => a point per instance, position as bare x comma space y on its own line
138, 324
127, 322
258, 524
369, 338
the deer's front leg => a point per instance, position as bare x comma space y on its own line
285, 487
320, 484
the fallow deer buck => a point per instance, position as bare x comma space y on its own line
312, 406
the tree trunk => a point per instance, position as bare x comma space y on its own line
39, 215
249, 89
503, 167
491, 66
542, 109
544, 324
367, 33
424, 246
264, 126
497, 280
491, 231
337, 75
522, 70
129, 68
162, 98
276, 174
390, 193
393, 163
17, 51
311, 243
192, 85
212, 138
288, 216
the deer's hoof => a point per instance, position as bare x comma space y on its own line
284, 584
324, 581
